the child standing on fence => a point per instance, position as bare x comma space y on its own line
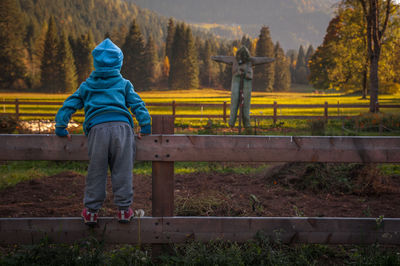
106, 97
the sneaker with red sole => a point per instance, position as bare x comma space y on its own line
125, 216
89, 218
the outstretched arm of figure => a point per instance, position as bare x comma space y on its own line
261, 60
224, 59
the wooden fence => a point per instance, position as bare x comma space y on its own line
224, 106
163, 149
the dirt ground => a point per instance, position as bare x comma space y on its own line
213, 194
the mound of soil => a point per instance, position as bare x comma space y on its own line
213, 194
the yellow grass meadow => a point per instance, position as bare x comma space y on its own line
211, 96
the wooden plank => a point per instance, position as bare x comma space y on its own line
162, 172
277, 149
163, 179
163, 189
69, 230
169, 148
42, 147
163, 230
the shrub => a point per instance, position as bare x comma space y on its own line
317, 127
8, 124
374, 122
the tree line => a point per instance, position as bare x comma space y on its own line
360, 51
57, 60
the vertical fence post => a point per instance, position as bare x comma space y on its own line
326, 111
17, 109
224, 111
275, 112
377, 107
338, 109
173, 108
162, 178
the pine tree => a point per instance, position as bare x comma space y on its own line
191, 75
12, 68
118, 35
66, 66
177, 70
133, 50
264, 74
165, 71
170, 38
82, 49
224, 70
309, 54
48, 69
301, 70
150, 62
38, 50
206, 74
282, 70
322, 62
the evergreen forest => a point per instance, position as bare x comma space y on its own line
46, 47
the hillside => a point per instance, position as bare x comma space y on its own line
292, 22
98, 16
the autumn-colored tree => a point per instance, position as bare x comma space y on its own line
170, 38
377, 22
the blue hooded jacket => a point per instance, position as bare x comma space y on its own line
105, 95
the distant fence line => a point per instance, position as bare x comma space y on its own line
224, 106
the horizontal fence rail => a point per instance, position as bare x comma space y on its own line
224, 106
164, 148
172, 148
165, 230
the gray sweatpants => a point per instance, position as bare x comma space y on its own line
110, 144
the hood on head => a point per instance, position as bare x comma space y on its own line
107, 56
243, 55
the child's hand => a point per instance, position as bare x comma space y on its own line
144, 131
62, 132
139, 135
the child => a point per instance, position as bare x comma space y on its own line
106, 97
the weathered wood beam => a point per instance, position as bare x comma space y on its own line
181, 229
214, 148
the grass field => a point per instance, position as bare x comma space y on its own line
260, 251
216, 96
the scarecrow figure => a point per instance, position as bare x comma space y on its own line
242, 75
